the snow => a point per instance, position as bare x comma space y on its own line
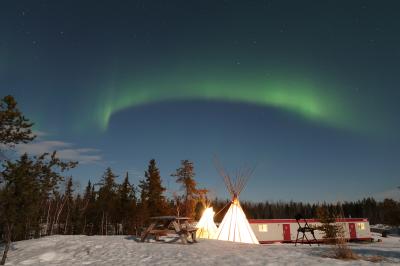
382, 227
124, 250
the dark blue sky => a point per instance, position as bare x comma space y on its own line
307, 91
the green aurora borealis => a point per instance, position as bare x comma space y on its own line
294, 94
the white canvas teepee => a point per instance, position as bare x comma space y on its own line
235, 226
206, 227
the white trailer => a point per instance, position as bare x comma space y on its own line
285, 230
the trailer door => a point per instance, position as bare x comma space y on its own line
286, 232
352, 230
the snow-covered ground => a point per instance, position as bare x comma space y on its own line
123, 250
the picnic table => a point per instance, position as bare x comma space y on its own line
163, 225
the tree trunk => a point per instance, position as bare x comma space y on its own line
6, 248
7, 245
66, 223
84, 227
58, 215
48, 217
27, 231
53, 219
106, 225
102, 224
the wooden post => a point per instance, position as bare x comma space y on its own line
146, 233
180, 232
194, 236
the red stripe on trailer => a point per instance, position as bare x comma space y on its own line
270, 241
363, 238
271, 221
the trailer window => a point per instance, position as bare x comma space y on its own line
263, 227
360, 226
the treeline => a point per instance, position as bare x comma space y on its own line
37, 206
34, 204
378, 212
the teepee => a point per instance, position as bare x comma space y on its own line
206, 227
234, 226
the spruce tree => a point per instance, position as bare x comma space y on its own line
76, 219
14, 127
327, 216
126, 205
185, 176
87, 207
152, 192
106, 200
143, 209
26, 185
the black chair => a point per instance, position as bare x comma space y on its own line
304, 229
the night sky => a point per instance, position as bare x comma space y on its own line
306, 91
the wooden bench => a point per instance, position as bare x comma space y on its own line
163, 225
184, 232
